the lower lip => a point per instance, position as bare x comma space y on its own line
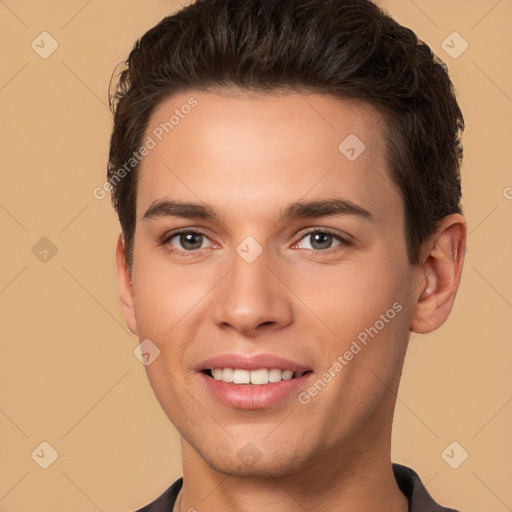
252, 397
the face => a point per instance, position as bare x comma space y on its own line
266, 247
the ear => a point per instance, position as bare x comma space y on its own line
124, 284
439, 274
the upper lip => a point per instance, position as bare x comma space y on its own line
254, 362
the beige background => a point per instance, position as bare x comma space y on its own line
68, 373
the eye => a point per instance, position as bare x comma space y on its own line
186, 241
321, 240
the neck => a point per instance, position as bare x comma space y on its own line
354, 477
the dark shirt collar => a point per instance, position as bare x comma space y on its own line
419, 499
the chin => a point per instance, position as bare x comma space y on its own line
249, 462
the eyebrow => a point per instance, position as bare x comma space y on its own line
296, 210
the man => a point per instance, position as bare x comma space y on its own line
286, 176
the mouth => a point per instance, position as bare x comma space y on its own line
251, 382
258, 377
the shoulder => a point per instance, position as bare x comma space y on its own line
411, 485
165, 502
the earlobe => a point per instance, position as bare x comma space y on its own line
441, 271
125, 286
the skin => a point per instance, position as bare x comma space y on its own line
248, 157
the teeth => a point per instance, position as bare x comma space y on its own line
287, 375
226, 374
274, 375
217, 373
259, 376
241, 377
256, 377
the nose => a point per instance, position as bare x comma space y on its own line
251, 298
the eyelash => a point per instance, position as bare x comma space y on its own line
344, 241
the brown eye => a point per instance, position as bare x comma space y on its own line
188, 241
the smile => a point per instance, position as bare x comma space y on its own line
257, 377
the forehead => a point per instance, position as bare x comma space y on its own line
245, 147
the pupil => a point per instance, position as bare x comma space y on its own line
190, 239
322, 240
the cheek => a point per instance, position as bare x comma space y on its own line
163, 293
352, 295
366, 310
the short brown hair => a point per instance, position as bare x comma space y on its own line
349, 49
